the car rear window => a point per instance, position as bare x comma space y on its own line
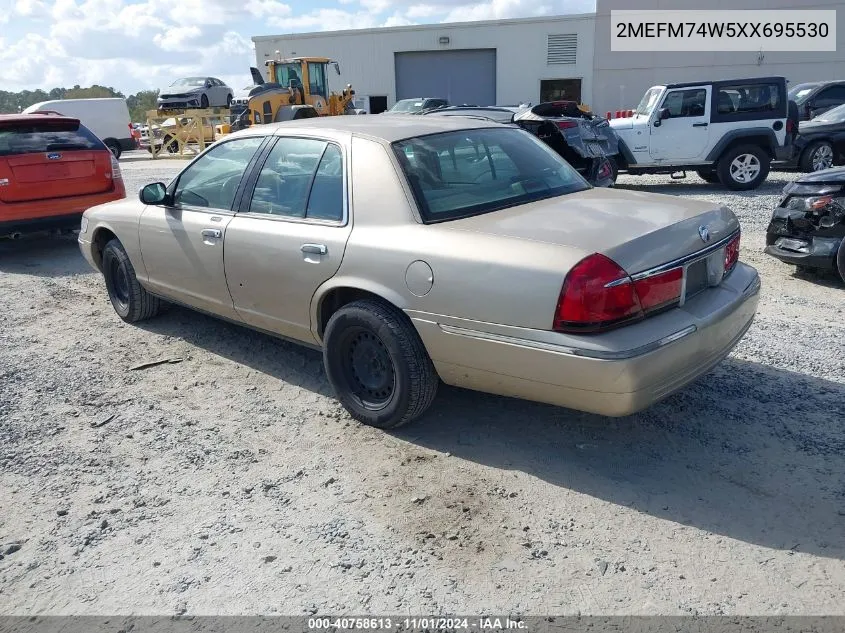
470, 172
47, 136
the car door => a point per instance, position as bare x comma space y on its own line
182, 241
684, 136
826, 99
290, 235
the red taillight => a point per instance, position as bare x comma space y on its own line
565, 125
731, 254
596, 292
605, 171
659, 290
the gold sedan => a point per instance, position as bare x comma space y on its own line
414, 250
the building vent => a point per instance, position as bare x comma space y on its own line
562, 49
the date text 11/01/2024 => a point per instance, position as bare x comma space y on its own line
414, 624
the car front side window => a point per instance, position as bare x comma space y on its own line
212, 180
686, 103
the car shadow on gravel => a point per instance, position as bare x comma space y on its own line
692, 184
43, 256
748, 452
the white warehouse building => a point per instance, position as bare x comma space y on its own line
505, 62
482, 63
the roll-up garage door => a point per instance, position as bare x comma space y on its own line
461, 76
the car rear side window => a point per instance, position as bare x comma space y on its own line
302, 178
469, 172
748, 98
47, 136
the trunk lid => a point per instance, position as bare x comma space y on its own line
43, 158
637, 230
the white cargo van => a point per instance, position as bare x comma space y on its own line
107, 118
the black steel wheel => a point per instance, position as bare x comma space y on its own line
128, 297
377, 364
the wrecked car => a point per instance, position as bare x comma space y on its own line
585, 140
807, 228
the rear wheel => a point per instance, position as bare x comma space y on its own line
128, 297
114, 148
204, 101
377, 364
818, 156
743, 168
708, 175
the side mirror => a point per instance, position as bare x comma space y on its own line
154, 194
336, 67
665, 114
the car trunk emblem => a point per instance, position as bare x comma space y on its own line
54, 156
704, 233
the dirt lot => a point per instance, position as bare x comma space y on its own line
231, 481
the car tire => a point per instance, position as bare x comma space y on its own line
743, 168
708, 175
840, 260
171, 144
128, 297
377, 364
228, 101
204, 101
114, 148
817, 156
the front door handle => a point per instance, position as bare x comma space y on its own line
699, 125
215, 233
316, 249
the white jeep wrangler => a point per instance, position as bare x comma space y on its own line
727, 131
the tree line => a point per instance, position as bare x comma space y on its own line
139, 103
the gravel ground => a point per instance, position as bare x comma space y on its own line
232, 483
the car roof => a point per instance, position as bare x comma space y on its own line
722, 82
386, 129
34, 117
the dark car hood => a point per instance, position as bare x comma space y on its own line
834, 175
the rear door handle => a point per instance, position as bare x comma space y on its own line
316, 249
699, 125
215, 233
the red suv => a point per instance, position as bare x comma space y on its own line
52, 168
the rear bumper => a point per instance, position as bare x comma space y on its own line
625, 373
50, 214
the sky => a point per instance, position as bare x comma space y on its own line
135, 45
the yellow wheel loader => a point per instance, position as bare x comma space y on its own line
295, 88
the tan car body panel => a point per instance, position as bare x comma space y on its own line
495, 279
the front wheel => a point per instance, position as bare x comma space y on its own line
743, 168
840, 260
377, 364
128, 297
817, 156
204, 101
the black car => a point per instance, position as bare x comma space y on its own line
808, 227
816, 97
821, 142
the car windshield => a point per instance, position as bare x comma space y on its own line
799, 93
407, 105
470, 172
836, 115
649, 100
189, 81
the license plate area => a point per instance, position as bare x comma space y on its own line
788, 244
703, 273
